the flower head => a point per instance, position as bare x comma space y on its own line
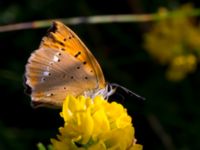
175, 42
95, 125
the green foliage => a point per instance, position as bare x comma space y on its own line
42, 147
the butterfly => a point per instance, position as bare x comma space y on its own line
63, 65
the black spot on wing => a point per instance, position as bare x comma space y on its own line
61, 43
70, 37
77, 54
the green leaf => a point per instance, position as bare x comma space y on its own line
41, 146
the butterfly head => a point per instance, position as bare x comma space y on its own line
106, 92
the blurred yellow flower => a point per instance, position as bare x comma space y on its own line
95, 125
180, 66
175, 41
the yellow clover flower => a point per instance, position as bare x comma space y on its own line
95, 125
180, 66
174, 41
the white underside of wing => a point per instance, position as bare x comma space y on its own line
53, 74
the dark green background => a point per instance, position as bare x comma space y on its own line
119, 49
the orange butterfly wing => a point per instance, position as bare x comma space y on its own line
60, 37
63, 44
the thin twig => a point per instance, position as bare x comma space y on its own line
97, 20
159, 130
78, 20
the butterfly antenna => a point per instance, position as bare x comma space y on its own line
114, 85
